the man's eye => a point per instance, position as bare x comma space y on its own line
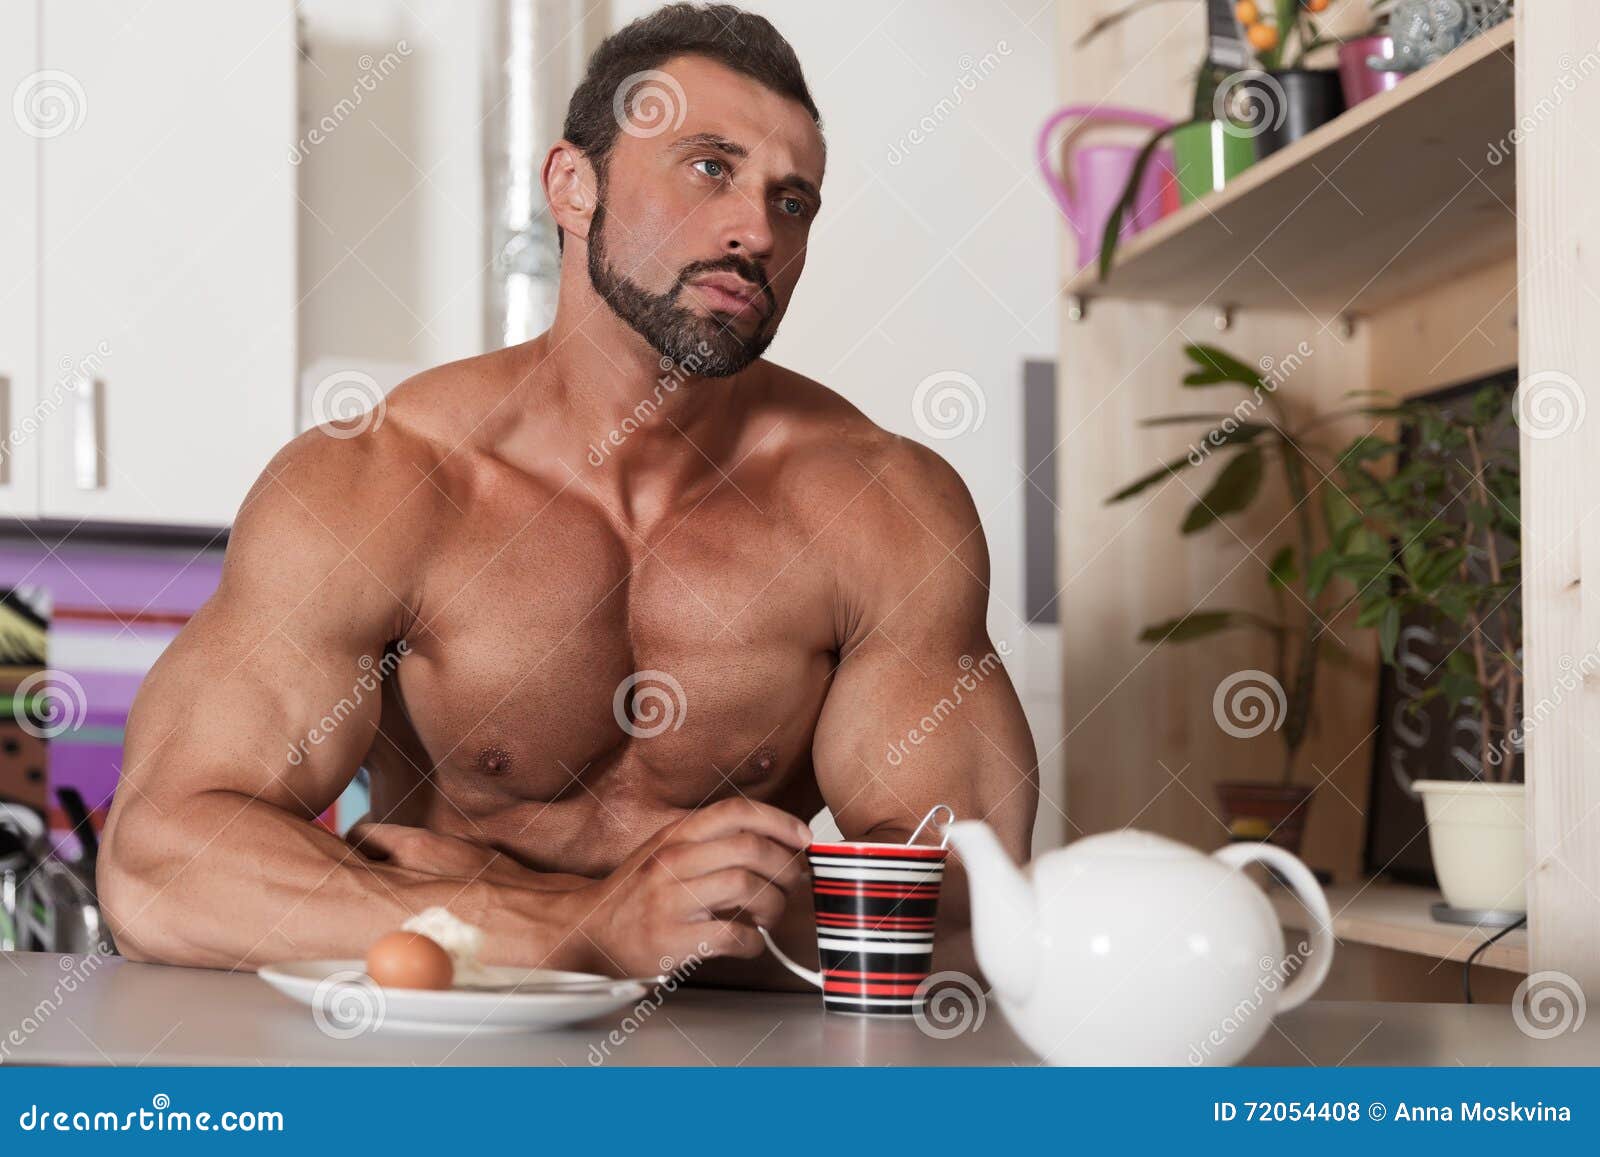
713, 169
793, 206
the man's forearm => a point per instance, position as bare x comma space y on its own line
231, 882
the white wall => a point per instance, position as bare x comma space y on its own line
936, 251
391, 223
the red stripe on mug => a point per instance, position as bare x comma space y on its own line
897, 852
846, 973
870, 989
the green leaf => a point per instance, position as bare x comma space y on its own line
1319, 572
1111, 236
1215, 366
1389, 632
1281, 571
1194, 625
1183, 419
1234, 489
1144, 482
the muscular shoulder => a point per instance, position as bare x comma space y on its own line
348, 502
890, 512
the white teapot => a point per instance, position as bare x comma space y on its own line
1132, 949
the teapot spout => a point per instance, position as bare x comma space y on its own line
1004, 911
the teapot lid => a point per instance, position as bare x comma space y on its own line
1134, 844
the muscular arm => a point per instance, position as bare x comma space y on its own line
258, 715
252, 723
921, 710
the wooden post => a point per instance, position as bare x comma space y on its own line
1558, 168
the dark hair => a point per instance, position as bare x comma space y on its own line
734, 38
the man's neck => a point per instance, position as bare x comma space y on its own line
649, 430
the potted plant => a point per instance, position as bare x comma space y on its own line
1286, 100
1208, 150
1256, 436
1446, 508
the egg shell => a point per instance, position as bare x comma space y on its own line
409, 960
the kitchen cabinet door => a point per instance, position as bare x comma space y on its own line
168, 278
34, 105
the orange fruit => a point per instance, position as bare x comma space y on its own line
1247, 12
1316, 5
1263, 37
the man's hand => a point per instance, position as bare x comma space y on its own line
697, 888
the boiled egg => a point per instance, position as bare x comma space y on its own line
409, 960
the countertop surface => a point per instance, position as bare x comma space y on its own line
63, 1010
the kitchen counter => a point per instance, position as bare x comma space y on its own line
120, 1013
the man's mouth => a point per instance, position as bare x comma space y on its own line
730, 293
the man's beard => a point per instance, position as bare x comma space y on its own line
702, 345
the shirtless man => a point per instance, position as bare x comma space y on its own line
641, 603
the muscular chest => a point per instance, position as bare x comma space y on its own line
567, 662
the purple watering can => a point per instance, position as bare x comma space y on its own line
1097, 174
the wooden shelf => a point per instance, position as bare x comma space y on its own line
1395, 195
1396, 916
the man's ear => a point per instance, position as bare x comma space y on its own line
569, 187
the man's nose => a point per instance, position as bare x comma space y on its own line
748, 231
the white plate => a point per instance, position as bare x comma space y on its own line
345, 1002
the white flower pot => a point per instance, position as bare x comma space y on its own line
1478, 835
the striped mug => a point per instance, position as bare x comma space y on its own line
875, 906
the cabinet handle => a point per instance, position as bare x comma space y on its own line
88, 434
5, 424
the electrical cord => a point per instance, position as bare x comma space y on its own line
1466, 969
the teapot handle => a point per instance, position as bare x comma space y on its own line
1305, 887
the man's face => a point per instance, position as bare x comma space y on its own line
705, 204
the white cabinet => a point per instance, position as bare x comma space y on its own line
21, 86
166, 256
